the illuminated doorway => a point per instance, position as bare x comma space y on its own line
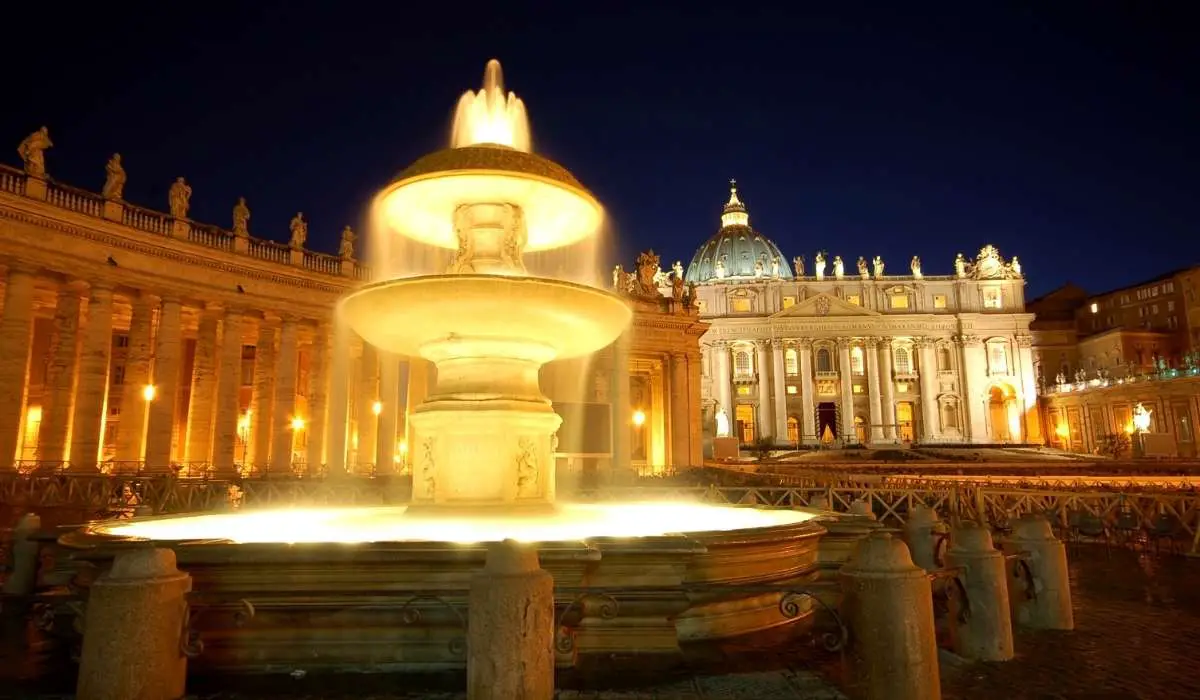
827, 420
904, 421
793, 429
744, 417
1004, 417
860, 430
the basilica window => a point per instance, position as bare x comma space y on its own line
740, 305
789, 302
998, 357
939, 301
856, 360
899, 301
991, 298
743, 365
791, 362
945, 359
903, 361
854, 299
824, 360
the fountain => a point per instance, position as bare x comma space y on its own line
482, 453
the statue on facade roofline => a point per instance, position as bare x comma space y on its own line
346, 250
646, 283
862, 268
839, 268
960, 266
179, 197
241, 219
878, 265
619, 278
798, 263
1015, 266
916, 266
114, 179
33, 152
819, 264
299, 231
677, 268
775, 264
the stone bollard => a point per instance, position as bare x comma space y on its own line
887, 602
510, 626
922, 532
24, 557
862, 507
987, 634
1046, 556
133, 629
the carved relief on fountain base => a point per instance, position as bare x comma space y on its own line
468, 458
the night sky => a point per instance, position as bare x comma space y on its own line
1066, 136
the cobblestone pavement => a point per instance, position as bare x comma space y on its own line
1137, 637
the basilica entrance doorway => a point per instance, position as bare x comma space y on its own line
744, 419
827, 422
904, 421
1003, 414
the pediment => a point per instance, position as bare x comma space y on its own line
823, 305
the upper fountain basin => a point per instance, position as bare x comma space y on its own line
405, 315
420, 203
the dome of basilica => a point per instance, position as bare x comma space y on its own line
737, 252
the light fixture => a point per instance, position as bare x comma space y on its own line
639, 417
377, 407
1095, 308
148, 392
297, 423
1141, 418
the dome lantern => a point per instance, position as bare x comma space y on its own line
737, 252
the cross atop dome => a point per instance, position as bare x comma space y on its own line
734, 213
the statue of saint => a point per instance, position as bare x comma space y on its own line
693, 301
839, 269
677, 288
775, 267
916, 266
862, 268
677, 268
819, 264
618, 278
241, 219
722, 423
719, 268
877, 263
299, 231
346, 249
648, 270
33, 152
759, 268
1015, 265
114, 179
798, 265
180, 197
960, 266
660, 277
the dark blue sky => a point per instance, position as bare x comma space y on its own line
1066, 136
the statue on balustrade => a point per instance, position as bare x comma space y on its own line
677, 268
346, 250
241, 219
798, 263
916, 266
648, 269
877, 263
618, 279
693, 300
819, 264
960, 266
677, 288
775, 267
299, 231
1015, 266
180, 197
862, 268
839, 268
114, 179
33, 152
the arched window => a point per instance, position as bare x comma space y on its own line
998, 358
743, 366
903, 361
945, 359
791, 362
824, 360
856, 360
949, 416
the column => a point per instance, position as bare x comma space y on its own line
339, 400
283, 435
16, 338
60, 377
680, 423
808, 421
873, 385
974, 376
762, 366
778, 373
263, 397
927, 366
389, 414
888, 384
318, 387
368, 419
695, 413
848, 435
229, 385
204, 391
723, 379
622, 417
168, 351
1031, 420
131, 429
91, 387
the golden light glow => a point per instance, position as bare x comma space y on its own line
377, 407
243, 423
297, 423
148, 392
1062, 431
1095, 308
402, 447
33, 415
570, 522
491, 115
1141, 418
639, 417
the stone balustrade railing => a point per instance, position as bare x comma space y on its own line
1162, 375
56, 194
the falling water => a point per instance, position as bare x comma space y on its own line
491, 115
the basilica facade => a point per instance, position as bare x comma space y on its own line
835, 352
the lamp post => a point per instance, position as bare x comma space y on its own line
1141, 426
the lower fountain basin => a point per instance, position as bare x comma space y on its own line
366, 589
405, 315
